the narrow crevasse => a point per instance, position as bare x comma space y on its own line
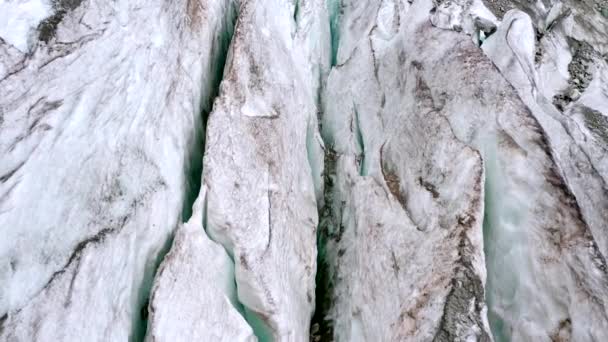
334, 8
360, 142
139, 323
209, 91
500, 240
262, 148
195, 295
211, 79
321, 325
195, 261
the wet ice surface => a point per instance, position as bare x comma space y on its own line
400, 171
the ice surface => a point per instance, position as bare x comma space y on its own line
581, 163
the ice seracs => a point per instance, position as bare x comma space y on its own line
469, 16
19, 21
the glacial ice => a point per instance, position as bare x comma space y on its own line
512, 49
96, 130
261, 199
410, 199
303, 170
194, 296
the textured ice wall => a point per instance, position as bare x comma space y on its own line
258, 170
546, 274
533, 67
194, 295
97, 124
403, 234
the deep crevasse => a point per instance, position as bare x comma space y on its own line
264, 121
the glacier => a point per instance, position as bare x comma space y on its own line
303, 170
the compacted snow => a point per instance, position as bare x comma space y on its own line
303, 170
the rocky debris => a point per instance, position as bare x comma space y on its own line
538, 53
48, 27
596, 122
582, 60
499, 7
581, 73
